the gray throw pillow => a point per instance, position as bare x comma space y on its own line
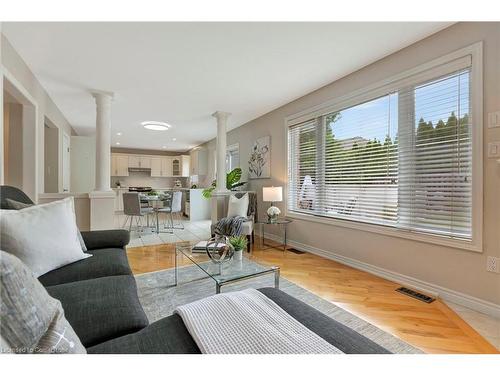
31, 320
15, 205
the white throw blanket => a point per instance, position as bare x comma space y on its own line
247, 322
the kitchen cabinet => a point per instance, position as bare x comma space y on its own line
133, 161
145, 162
176, 166
156, 170
161, 167
119, 165
167, 166
180, 166
198, 163
185, 165
137, 161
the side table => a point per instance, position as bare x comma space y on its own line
282, 223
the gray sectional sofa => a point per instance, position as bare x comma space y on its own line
99, 294
100, 301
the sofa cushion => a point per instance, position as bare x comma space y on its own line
101, 309
169, 335
337, 334
11, 192
165, 336
99, 239
104, 262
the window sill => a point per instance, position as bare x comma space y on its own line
387, 231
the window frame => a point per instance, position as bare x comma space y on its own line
429, 70
232, 148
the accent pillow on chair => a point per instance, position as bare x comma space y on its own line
238, 207
44, 237
31, 320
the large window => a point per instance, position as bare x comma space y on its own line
403, 159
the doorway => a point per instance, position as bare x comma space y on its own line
51, 157
13, 140
66, 166
20, 168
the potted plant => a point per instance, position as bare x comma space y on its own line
239, 244
232, 182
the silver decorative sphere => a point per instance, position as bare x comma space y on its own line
219, 250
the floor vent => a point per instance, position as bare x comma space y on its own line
416, 295
295, 250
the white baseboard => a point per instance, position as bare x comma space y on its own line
445, 294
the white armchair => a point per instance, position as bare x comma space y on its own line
244, 205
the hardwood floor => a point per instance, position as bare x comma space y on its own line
434, 328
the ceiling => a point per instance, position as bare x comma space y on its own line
181, 73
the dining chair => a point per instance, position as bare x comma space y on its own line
132, 208
174, 209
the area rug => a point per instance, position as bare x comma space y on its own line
159, 298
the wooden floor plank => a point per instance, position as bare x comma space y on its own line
434, 327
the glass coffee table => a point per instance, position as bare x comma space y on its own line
230, 272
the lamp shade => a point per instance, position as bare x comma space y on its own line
272, 194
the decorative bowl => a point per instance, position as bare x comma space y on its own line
219, 250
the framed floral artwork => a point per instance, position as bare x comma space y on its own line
259, 163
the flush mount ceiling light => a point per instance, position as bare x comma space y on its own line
155, 125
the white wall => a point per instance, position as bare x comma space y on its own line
82, 164
15, 70
446, 267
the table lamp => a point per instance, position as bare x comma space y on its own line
272, 194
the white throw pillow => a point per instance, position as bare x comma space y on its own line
238, 207
15, 205
44, 237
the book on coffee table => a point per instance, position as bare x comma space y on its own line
202, 246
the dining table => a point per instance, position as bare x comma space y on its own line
154, 201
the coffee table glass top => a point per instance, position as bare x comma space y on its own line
225, 272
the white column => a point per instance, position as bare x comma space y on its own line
221, 150
2, 177
103, 141
102, 199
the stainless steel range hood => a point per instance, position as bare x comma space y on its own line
136, 169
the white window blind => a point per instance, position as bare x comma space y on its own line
435, 153
403, 159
